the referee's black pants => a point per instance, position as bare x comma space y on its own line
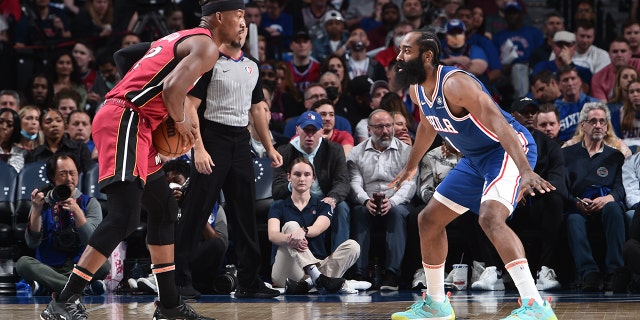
233, 174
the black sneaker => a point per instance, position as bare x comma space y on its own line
390, 282
182, 312
296, 287
592, 282
618, 281
330, 285
188, 292
260, 292
71, 309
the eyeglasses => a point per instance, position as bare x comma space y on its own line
316, 97
379, 127
64, 174
594, 121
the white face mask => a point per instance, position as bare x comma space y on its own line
397, 40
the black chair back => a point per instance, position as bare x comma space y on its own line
31, 176
263, 173
8, 180
90, 186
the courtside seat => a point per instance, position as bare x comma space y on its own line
31, 176
8, 180
90, 186
263, 174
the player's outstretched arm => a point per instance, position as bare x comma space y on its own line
463, 92
425, 134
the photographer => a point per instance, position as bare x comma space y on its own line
60, 223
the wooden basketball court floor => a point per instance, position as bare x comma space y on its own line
366, 305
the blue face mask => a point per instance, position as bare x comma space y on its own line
29, 136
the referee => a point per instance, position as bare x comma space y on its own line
223, 161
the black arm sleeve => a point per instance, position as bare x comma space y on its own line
126, 57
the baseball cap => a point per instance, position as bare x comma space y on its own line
360, 85
333, 15
301, 35
522, 103
564, 36
512, 5
455, 24
310, 118
378, 84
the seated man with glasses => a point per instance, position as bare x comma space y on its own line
594, 173
59, 228
372, 165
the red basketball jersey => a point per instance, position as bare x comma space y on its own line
143, 84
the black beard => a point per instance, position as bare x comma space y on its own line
413, 72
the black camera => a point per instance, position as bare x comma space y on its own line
227, 282
358, 46
55, 194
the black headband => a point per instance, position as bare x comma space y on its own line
227, 5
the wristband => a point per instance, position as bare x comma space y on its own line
306, 230
184, 118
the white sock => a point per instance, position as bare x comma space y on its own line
435, 281
314, 273
309, 281
522, 278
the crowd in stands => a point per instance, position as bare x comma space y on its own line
327, 70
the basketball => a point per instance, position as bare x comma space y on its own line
167, 140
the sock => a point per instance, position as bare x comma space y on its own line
434, 275
78, 280
314, 273
309, 282
165, 275
522, 278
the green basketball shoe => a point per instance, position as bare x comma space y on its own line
427, 308
533, 310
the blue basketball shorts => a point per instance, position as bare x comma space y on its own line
492, 176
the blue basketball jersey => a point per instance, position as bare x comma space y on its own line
485, 172
466, 134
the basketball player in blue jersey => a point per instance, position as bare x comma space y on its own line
499, 155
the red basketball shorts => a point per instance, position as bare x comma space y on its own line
125, 149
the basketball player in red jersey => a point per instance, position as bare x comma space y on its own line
156, 86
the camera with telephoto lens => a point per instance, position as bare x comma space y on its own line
358, 46
55, 194
66, 239
226, 282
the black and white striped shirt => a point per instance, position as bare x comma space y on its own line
231, 87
